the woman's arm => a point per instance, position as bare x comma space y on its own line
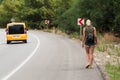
83, 38
95, 35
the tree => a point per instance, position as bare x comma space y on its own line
100, 12
116, 7
105, 14
9, 9
35, 11
62, 9
1, 1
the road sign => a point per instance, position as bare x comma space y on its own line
47, 21
80, 21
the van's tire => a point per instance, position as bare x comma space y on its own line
25, 41
8, 42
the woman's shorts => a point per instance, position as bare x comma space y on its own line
90, 43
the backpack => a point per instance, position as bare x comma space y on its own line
89, 34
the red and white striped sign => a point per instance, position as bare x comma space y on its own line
80, 21
47, 21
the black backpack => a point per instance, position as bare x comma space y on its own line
89, 34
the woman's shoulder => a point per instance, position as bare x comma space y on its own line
89, 27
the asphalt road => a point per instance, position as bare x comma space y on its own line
46, 56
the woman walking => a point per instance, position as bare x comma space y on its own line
89, 40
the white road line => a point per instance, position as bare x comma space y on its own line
24, 62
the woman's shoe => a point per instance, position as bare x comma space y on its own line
87, 66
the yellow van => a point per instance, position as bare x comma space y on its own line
16, 32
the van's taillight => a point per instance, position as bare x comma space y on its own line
25, 31
6, 31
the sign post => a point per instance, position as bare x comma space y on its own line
80, 22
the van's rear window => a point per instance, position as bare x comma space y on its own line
16, 29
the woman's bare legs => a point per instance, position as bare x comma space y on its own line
87, 54
91, 51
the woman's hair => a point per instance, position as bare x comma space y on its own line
88, 22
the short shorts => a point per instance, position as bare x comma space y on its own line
90, 43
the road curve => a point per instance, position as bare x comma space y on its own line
46, 56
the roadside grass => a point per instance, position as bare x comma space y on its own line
114, 71
74, 35
111, 49
110, 44
47, 30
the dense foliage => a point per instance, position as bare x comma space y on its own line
104, 14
